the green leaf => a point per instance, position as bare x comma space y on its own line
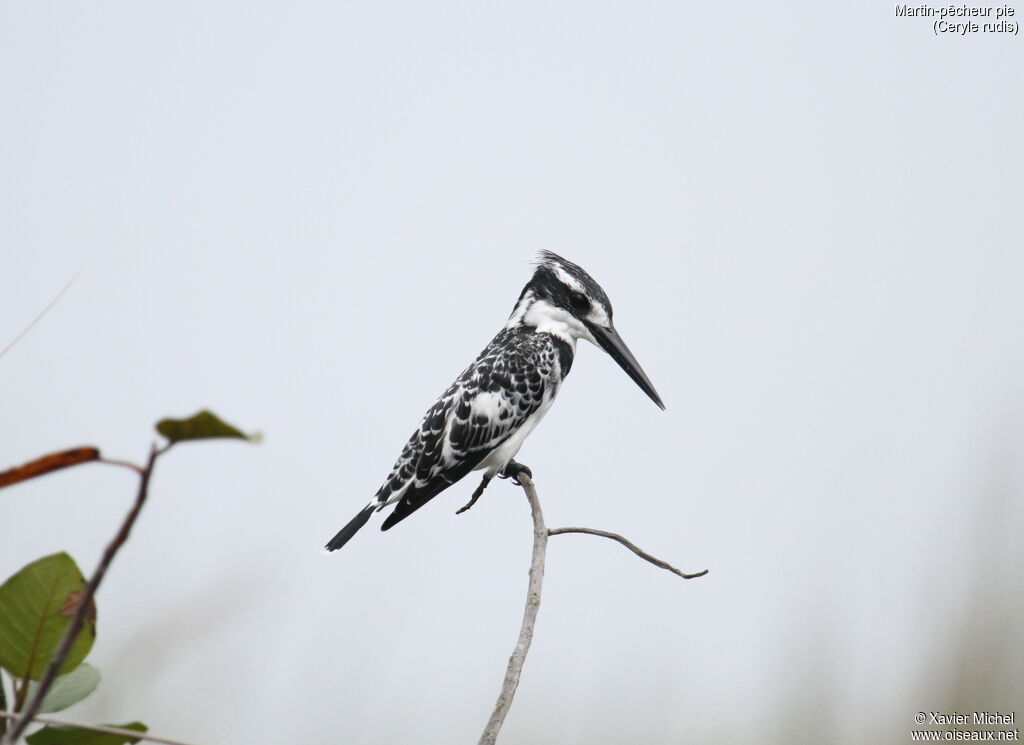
68, 690
53, 734
204, 425
36, 606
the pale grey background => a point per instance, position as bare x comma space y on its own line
311, 218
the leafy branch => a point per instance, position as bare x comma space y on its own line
61, 610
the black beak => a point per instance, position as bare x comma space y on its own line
612, 343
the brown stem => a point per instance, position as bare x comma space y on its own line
19, 687
84, 604
123, 464
632, 547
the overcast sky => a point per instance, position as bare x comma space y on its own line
310, 218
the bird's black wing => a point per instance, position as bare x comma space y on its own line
483, 408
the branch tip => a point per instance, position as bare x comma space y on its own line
632, 547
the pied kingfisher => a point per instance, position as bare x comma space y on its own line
480, 422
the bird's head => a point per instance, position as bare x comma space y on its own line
563, 300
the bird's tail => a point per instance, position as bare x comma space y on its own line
346, 533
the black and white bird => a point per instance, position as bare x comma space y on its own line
481, 421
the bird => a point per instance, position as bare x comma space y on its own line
483, 417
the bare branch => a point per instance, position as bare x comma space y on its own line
134, 734
540, 543
84, 604
515, 662
632, 547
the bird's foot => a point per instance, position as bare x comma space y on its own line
512, 470
476, 495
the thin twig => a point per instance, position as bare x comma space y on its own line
134, 734
515, 662
42, 313
632, 547
84, 604
124, 464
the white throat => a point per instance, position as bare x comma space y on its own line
546, 318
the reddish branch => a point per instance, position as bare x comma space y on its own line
47, 464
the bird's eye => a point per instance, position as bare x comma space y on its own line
579, 302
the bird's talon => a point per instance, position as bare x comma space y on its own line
513, 470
